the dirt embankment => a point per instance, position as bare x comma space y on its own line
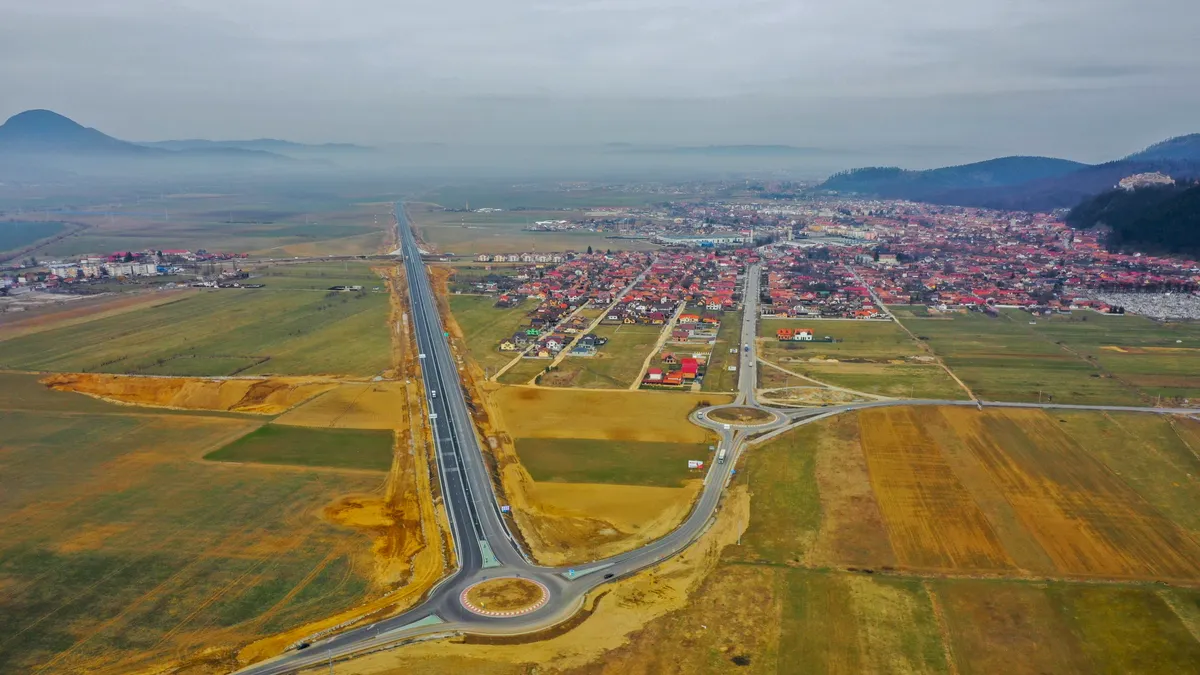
408, 526
617, 612
268, 396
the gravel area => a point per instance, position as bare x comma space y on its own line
1154, 305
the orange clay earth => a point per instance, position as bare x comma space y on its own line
741, 415
505, 595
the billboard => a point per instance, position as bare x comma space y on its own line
695, 464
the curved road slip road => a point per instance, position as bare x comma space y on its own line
486, 548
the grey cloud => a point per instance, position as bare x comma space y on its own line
983, 76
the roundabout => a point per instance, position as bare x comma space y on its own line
744, 416
741, 417
504, 597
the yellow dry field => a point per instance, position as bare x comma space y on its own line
574, 522
269, 396
1183, 351
1086, 518
367, 405
624, 506
932, 521
852, 530
531, 412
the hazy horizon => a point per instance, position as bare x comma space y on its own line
928, 83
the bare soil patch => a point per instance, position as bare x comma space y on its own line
741, 415
268, 396
508, 594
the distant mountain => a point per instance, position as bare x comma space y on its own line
258, 144
1062, 192
1155, 219
44, 131
1020, 183
1180, 148
896, 183
37, 144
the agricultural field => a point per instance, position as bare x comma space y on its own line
524, 371
120, 548
484, 326
875, 357
772, 618
588, 460
859, 552
1079, 358
508, 196
504, 232
615, 366
587, 486
366, 405
369, 450
275, 225
649, 416
717, 376
292, 326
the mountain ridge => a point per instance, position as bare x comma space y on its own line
1026, 184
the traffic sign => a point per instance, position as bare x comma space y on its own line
446, 333
571, 573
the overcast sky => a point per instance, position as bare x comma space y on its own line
1085, 79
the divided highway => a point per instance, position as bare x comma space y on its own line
483, 544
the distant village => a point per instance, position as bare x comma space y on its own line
836, 258
121, 265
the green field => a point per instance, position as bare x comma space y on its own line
484, 326
505, 232
293, 326
811, 495
15, 234
615, 365
842, 623
290, 223
119, 548
1076, 358
785, 505
717, 376
524, 371
306, 446
876, 357
578, 460
507, 196
855, 340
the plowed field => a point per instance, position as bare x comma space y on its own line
931, 518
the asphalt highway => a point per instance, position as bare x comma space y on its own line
484, 545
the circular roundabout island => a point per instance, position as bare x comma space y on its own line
741, 415
504, 596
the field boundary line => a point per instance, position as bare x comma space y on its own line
878, 397
943, 630
925, 346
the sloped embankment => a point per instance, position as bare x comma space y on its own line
268, 396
